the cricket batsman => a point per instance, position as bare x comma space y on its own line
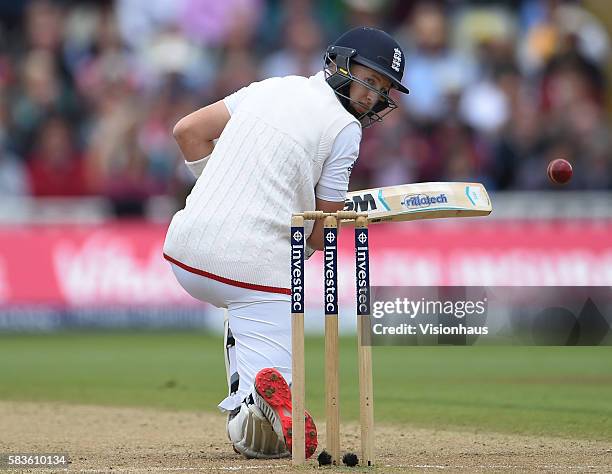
274, 148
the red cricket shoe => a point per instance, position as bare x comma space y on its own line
273, 397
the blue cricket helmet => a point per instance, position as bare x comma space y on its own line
372, 48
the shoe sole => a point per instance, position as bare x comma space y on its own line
275, 394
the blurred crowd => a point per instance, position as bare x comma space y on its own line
90, 90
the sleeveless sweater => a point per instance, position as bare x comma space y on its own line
265, 166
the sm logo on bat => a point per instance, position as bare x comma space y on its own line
360, 203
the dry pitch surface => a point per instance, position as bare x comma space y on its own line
107, 439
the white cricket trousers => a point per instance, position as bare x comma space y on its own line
259, 321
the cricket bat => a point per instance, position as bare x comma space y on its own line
409, 202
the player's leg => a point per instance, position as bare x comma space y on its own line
248, 428
262, 331
259, 342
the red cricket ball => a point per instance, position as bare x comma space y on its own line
559, 171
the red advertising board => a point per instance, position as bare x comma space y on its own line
122, 264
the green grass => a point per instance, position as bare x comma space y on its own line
560, 391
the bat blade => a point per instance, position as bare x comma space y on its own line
415, 201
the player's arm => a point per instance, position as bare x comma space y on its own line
195, 132
333, 184
315, 241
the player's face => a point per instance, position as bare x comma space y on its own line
364, 98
